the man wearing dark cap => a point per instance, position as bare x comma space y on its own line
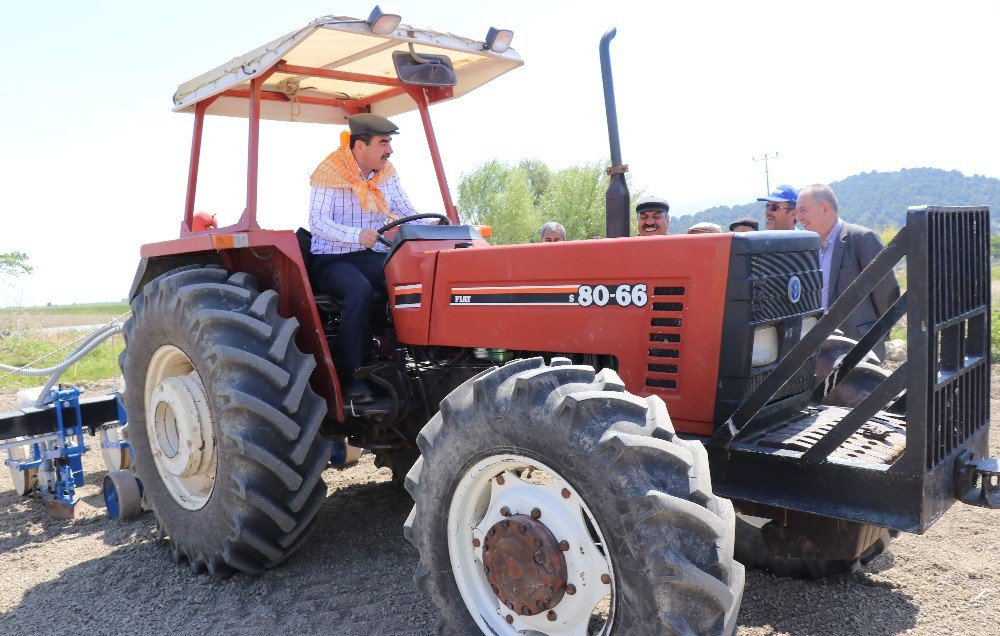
744, 224
355, 191
654, 216
779, 213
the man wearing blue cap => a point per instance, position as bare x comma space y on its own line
779, 213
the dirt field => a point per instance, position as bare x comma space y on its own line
354, 577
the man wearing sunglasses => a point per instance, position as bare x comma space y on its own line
779, 213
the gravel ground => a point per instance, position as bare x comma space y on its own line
354, 577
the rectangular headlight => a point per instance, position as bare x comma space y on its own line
765, 346
808, 323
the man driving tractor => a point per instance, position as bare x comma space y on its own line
355, 191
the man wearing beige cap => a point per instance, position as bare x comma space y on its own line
355, 191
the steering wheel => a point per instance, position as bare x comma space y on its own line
442, 220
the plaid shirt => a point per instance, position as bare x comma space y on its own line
336, 217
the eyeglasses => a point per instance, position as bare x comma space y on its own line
774, 207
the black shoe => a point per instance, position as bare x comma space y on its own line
358, 392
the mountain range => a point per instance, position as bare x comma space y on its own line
878, 199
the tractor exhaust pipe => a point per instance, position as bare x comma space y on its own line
616, 199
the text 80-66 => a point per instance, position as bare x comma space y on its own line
623, 295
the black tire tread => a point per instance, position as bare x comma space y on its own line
672, 537
268, 417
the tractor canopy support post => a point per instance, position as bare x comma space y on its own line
616, 200
253, 147
417, 93
199, 124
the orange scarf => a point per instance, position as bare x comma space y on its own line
340, 170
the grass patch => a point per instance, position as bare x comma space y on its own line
99, 364
90, 309
995, 337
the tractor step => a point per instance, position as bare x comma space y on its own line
381, 406
881, 440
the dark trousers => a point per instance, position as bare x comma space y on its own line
353, 279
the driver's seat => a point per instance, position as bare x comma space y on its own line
324, 302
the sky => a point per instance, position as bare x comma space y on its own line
94, 163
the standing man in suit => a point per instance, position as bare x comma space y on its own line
845, 251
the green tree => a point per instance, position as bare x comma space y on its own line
499, 195
995, 246
14, 263
539, 176
575, 198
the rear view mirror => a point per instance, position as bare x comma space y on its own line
423, 70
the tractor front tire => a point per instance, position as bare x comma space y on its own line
222, 421
549, 500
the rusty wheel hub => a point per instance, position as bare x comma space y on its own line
525, 566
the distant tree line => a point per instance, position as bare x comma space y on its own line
879, 199
516, 200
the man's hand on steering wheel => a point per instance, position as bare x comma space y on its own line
442, 220
368, 237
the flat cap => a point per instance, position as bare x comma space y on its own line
748, 221
652, 203
705, 227
368, 124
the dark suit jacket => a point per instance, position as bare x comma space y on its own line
854, 249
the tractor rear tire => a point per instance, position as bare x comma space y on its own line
752, 552
222, 421
529, 454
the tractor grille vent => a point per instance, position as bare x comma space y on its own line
959, 299
769, 284
802, 381
665, 337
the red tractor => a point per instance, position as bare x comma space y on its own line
565, 407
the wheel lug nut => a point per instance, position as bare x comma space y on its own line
510, 605
536, 513
495, 589
486, 569
551, 615
539, 557
523, 529
571, 589
500, 480
605, 579
510, 619
475, 543
565, 493
564, 545
505, 511
525, 611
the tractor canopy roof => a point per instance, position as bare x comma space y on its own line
360, 74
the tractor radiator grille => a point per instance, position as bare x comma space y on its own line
959, 309
769, 284
665, 338
802, 381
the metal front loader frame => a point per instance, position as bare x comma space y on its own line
945, 382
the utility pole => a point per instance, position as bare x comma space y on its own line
767, 176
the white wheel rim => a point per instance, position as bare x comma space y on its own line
476, 507
179, 428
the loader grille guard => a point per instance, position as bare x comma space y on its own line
945, 379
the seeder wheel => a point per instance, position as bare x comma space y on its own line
25, 481
118, 457
122, 495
